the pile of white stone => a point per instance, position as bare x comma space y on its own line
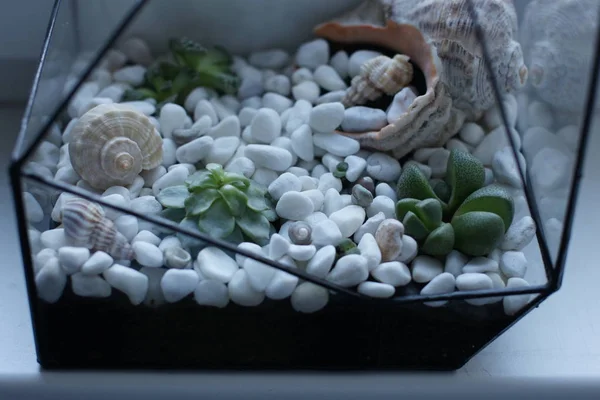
278, 131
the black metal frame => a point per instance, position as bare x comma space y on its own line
51, 349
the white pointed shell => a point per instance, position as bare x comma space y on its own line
378, 76
449, 26
112, 143
86, 226
558, 42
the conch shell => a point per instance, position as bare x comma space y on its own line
558, 42
430, 120
378, 76
86, 226
112, 143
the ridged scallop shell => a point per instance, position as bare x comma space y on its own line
430, 120
86, 226
378, 76
558, 42
112, 143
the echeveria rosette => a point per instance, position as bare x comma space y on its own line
458, 212
222, 204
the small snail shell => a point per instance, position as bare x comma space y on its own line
380, 75
300, 233
112, 143
85, 225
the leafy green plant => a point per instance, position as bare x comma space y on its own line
194, 66
457, 213
222, 204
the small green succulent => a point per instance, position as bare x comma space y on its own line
194, 66
222, 204
458, 212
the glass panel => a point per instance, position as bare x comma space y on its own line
558, 40
66, 59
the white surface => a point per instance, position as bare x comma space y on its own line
557, 340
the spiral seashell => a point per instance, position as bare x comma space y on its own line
378, 76
112, 143
86, 226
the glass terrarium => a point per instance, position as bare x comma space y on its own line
299, 184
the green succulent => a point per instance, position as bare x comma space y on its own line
194, 66
458, 212
222, 204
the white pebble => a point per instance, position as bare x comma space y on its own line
90, 286
317, 198
286, 182
302, 143
551, 169
241, 165
425, 268
146, 205
394, 273
438, 162
298, 171
401, 103
97, 263
279, 84
519, 235
358, 58
308, 182
271, 157
318, 171
350, 270
328, 181
215, 264
498, 284
325, 233
308, 298
222, 150
133, 75
192, 99
258, 274
513, 304
322, 261
505, 168
455, 261
474, 281
301, 75
169, 152
471, 133
222, 107
271, 58
369, 249
172, 116
228, 126
204, 107
129, 281
370, 226
480, 264
442, 284
264, 176
66, 174
539, 114
114, 92
376, 289
50, 282
54, 238
176, 284
250, 247
294, 206
252, 82
513, 264
152, 175
265, 126
382, 204
328, 78
339, 62
298, 115
282, 285
169, 242
348, 219
492, 142
312, 54
42, 257
383, 189
246, 115
326, 117
409, 249
116, 200
148, 254
306, 90
301, 252
137, 51
195, 150
382, 167
210, 292
33, 208
241, 291
363, 119
356, 166
278, 246
331, 161
128, 226
331, 97
276, 101
456, 144
335, 144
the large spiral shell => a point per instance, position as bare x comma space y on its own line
112, 143
379, 75
86, 226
